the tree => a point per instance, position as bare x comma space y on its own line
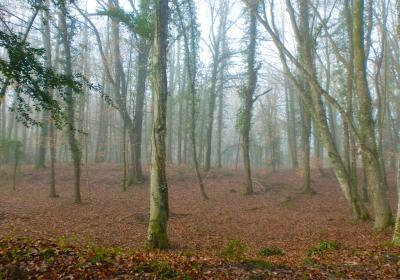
313, 102
215, 48
157, 230
70, 102
370, 154
139, 24
306, 49
248, 98
48, 124
191, 52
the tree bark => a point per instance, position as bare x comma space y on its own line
370, 155
157, 230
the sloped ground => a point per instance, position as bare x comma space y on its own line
304, 227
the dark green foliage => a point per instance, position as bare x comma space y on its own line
141, 24
23, 69
322, 247
271, 251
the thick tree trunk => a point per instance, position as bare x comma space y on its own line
371, 159
157, 230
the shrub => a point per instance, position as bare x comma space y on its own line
271, 251
322, 247
234, 249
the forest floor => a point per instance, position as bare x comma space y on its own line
276, 233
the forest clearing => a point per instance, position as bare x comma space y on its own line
278, 220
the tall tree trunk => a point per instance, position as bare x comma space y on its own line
181, 129
157, 230
73, 142
52, 143
101, 145
306, 53
370, 154
249, 101
220, 117
191, 47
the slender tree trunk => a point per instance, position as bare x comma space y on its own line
73, 142
220, 117
216, 46
157, 230
248, 102
52, 142
191, 48
210, 117
101, 146
290, 122
181, 129
396, 235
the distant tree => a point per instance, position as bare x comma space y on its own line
215, 46
191, 39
